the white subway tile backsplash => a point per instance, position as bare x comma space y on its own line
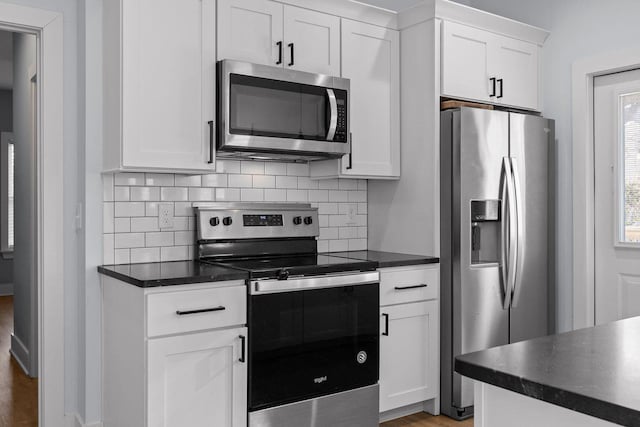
286, 182
242, 181
174, 194
275, 168
145, 194
131, 232
145, 255
159, 180
121, 194
129, 209
129, 179
201, 194
252, 167
188, 180
264, 181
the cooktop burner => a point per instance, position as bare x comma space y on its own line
304, 265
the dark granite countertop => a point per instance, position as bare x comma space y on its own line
388, 259
171, 273
595, 370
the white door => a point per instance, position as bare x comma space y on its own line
371, 59
465, 63
514, 63
617, 196
312, 41
197, 380
168, 83
251, 31
408, 354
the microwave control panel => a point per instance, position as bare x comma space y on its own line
341, 128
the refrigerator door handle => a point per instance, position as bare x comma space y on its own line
504, 232
521, 237
513, 236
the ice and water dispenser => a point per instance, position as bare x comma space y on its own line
485, 231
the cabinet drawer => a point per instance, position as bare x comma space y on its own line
400, 285
199, 309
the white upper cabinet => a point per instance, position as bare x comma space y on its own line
250, 30
270, 33
370, 59
159, 85
483, 66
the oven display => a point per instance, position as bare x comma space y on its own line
262, 220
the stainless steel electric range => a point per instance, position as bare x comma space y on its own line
313, 319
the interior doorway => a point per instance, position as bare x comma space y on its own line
616, 118
18, 231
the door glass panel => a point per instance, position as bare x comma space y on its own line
629, 169
265, 107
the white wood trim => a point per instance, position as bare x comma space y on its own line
350, 9
48, 27
583, 73
20, 353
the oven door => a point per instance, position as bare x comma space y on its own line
270, 110
309, 341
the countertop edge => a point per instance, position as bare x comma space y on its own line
408, 263
168, 282
564, 398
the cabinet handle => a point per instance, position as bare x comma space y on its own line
402, 288
279, 53
350, 151
386, 324
210, 122
501, 87
202, 310
242, 348
493, 87
291, 47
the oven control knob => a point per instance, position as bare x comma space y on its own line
283, 274
308, 220
227, 220
361, 357
214, 221
297, 220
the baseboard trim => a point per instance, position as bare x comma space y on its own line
20, 353
6, 289
79, 422
426, 406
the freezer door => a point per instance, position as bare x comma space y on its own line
530, 139
479, 319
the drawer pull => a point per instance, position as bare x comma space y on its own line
242, 349
202, 310
403, 288
386, 324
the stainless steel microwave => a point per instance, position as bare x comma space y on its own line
273, 113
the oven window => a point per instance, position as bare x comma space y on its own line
265, 107
306, 344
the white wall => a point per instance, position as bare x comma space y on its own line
24, 338
579, 29
6, 125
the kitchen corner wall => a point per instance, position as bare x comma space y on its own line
132, 235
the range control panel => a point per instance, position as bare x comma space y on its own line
256, 220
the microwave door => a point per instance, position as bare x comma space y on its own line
333, 114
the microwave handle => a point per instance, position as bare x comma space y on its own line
333, 123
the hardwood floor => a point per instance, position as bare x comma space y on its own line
18, 392
426, 420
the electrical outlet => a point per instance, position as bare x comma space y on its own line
165, 216
351, 214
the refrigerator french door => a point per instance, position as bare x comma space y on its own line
496, 255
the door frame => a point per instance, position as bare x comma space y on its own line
47, 26
583, 73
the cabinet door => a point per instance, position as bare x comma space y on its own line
409, 354
516, 63
197, 380
465, 62
168, 83
371, 59
249, 30
314, 39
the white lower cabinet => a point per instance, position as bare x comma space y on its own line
198, 380
409, 338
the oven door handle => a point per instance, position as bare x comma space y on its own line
333, 121
272, 286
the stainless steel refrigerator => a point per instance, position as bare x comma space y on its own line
496, 238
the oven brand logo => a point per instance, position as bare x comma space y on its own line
320, 380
